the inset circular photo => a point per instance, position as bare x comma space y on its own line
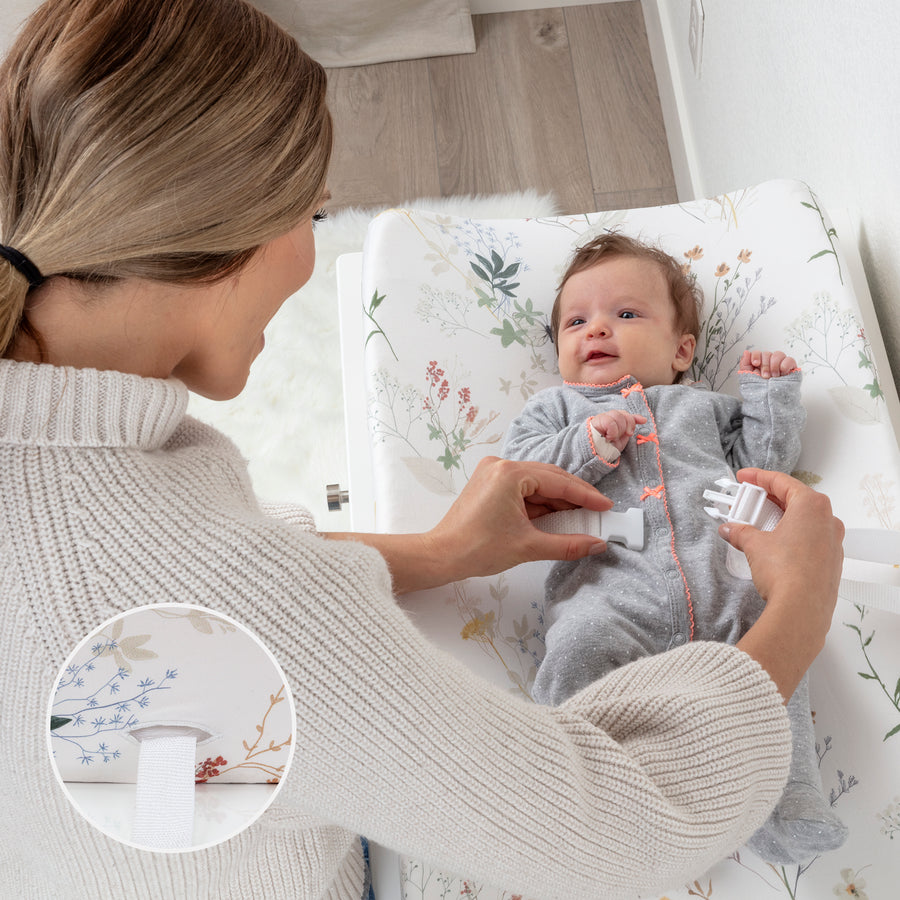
171, 727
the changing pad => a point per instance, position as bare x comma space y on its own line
455, 328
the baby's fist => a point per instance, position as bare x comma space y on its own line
617, 426
767, 364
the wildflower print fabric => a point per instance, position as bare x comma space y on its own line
457, 338
171, 664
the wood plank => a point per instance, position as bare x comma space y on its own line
619, 103
635, 199
384, 150
512, 116
506, 117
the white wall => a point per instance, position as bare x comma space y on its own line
804, 89
15, 12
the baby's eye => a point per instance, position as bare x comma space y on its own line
628, 314
576, 321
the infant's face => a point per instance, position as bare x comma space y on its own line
617, 319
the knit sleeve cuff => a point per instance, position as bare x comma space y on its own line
602, 448
706, 721
718, 685
748, 375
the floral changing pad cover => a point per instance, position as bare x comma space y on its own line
456, 339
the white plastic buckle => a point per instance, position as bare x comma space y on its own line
736, 503
872, 553
622, 527
746, 504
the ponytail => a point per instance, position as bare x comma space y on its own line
156, 139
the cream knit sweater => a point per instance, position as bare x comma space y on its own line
112, 498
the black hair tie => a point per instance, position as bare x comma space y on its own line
23, 264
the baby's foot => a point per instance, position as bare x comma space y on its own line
807, 821
802, 826
768, 844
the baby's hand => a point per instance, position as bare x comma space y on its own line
767, 364
617, 426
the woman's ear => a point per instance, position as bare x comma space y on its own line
684, 353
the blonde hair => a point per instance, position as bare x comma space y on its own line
158, 139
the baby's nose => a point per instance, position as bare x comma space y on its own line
598, 328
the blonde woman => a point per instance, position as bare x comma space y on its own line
161, 162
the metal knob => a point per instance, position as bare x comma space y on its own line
336, 496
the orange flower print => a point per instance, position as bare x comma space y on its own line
723, 269
696, 253
478, 627
744, 256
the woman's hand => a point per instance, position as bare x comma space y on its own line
796, 569
488, 529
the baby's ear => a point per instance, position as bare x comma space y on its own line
684, 353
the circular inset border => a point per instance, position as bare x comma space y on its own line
171, 727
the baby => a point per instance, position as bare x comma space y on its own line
625, 324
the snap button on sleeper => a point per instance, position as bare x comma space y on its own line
678, 639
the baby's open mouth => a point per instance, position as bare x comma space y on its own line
598, 354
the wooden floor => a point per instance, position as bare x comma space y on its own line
560, 100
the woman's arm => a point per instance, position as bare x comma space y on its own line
488, 529
639, 782
796, 569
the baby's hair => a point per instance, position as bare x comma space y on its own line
685, 293
157, 139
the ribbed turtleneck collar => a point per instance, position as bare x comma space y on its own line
47, 406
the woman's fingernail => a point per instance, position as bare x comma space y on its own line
597, 548
725, 530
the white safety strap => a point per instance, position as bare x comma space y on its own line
877, 545
885, 597
164, 806
871, 566
570, 521
624, 527
872, 557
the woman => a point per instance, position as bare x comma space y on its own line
161, 162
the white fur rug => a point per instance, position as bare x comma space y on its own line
289, 420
